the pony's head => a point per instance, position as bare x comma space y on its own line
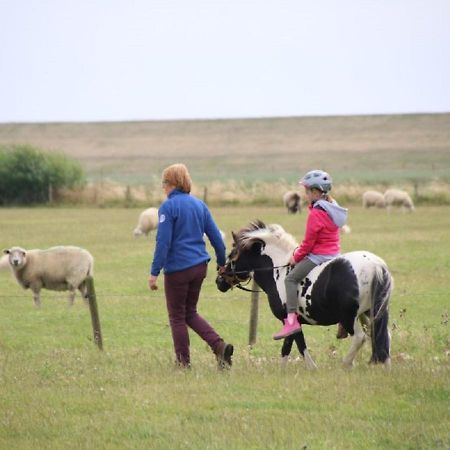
238, 267
249, 253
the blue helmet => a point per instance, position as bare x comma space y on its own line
317, 179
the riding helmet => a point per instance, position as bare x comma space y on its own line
317, 179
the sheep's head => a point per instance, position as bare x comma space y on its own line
17, 256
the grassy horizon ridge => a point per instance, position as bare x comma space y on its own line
352, 148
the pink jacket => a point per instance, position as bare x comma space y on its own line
321, 235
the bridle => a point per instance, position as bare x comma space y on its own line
233, 279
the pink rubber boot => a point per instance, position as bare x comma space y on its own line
291, 326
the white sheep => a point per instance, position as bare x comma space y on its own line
346, 229
4, 262
373, 198
396, 197
291, 201
57, 268
148, 221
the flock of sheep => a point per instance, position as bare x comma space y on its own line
65, 268
391, 198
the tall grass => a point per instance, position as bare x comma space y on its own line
58, 391
235, 193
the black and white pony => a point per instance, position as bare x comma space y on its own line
353, 289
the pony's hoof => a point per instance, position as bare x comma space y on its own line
311, 365
309, 362
348, 364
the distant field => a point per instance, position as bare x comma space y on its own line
57, 391
362, 149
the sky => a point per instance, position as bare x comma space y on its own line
114, 60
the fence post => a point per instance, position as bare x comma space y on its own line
50, 193
253, 315
128, 196
94, 312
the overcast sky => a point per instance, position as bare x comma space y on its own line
105, 60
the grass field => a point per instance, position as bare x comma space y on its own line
58, 391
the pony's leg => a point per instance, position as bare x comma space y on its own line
309, 362
301, 345
286, 349
358, 339
365, 323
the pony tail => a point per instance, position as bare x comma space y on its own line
379, 314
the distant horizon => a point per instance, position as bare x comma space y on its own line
209, 119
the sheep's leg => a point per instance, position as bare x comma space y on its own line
84, 293
71, 296
36, 287
36, 298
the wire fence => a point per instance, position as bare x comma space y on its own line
149, 295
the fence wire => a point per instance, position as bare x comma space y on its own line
149, 295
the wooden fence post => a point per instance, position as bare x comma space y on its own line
94, 312
253, 315
50, 193
128, 196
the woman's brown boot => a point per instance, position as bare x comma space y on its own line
223, 355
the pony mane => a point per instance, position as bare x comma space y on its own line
269, 234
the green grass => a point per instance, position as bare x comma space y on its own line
58, 391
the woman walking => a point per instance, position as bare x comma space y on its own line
181, 252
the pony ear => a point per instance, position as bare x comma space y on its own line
234, 236
6, 251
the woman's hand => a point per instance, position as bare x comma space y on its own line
292, 261
152, 282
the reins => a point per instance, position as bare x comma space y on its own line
258, 269
243, 288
